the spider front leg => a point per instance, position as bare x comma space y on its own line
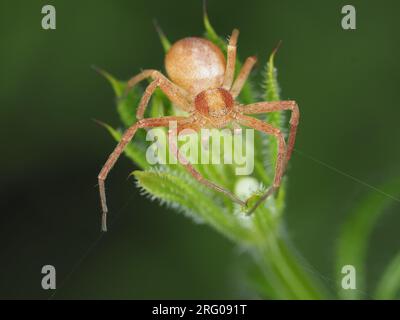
189, 167
242, 76
230, 61
230, 67
176, 94
280, 161
126, 138
265, 107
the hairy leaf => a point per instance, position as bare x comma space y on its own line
188, 196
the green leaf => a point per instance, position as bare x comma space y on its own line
272, 92
126, 103
276, 119
164, 40
158, 104
211, 34
353, 241
115, 84
189, 197
389, 284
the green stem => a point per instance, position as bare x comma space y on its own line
274, 253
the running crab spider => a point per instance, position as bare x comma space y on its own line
201, 82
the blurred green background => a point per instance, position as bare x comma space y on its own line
346, 84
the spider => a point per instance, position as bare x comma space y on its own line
201, 82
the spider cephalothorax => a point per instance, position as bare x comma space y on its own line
201, 83
215, 104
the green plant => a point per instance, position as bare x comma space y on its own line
277, 271
353, 245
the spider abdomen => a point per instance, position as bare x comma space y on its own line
195, 64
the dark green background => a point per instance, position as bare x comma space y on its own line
346, 83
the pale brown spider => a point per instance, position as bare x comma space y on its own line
201, 83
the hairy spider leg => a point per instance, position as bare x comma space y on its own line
112, 159
231, 60
242, 76
280, 161
264, 107
176, 94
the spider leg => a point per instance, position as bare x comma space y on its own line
175, 93
144, 101
280, 161
189, 167
264, 107
231, 60
242, 76
112, 159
